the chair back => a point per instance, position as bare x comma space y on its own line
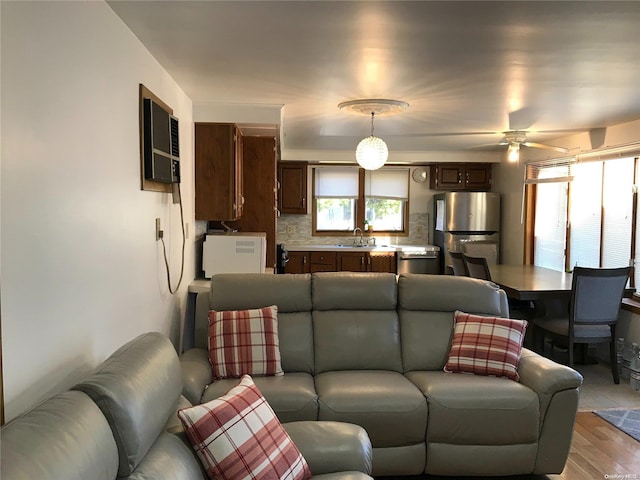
458, 265
596, 295
477, 267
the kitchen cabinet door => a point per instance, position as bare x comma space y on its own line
259, 185
292, 196
382, 262
461, 176
218, 171
299, 262
352, 261
478, 176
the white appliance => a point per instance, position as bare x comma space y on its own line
234, 253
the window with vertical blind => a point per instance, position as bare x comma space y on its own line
588, 217
348, 197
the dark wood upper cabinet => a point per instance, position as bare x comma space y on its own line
461, 176
218, 171
292, 196
259, 186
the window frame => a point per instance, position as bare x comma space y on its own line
530, 199
360, 210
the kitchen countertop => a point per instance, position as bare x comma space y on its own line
346, 247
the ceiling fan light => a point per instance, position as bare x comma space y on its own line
372, 153
513, 154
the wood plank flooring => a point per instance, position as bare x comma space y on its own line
599, 451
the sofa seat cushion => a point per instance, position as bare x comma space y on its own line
388, 406
478, 410
292, 396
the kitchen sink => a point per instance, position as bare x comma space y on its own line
351, 245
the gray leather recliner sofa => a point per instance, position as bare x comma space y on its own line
121, 423
370, 348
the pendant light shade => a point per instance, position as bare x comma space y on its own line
372, 153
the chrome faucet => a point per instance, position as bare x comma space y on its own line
355, 230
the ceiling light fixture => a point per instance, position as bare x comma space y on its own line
372, 152
513, 153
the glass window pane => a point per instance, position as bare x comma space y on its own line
585, 215
384, 214
550, 225
617, 206
335, 214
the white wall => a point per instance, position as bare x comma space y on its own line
81, 270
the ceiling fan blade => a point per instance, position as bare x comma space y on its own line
523, 118
544, 145
445, 134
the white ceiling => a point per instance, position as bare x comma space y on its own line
463, 67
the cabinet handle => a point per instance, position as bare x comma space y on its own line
361, 260
304, 260
304, 202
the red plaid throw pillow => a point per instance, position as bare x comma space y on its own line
238, 436
486, 345
244, 342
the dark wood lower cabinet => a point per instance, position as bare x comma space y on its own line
328, 261
352, 261
298, 263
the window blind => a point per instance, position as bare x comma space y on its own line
390, 183
549, 170
336, 182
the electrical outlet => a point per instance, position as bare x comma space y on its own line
291, 229
158, 231
419, 231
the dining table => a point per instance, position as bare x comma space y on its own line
530, 282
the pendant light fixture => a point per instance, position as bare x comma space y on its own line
372, 151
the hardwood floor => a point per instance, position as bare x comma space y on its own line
599, 451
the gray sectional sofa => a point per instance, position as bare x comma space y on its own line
121, 423
369, 349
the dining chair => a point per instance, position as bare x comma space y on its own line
477, 267
457, 262
596, 295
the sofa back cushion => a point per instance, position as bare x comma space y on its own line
426, 306
290, 293
65, 437
137, 388
355, 322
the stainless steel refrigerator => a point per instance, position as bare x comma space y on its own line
467, 222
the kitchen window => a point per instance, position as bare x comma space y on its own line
348, 197
587, 215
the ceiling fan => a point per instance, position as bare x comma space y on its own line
518, 138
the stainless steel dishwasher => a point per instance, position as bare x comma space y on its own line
424, 259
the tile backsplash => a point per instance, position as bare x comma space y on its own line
296, 230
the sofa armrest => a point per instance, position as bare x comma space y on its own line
330, 447
196, 374
546, 377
